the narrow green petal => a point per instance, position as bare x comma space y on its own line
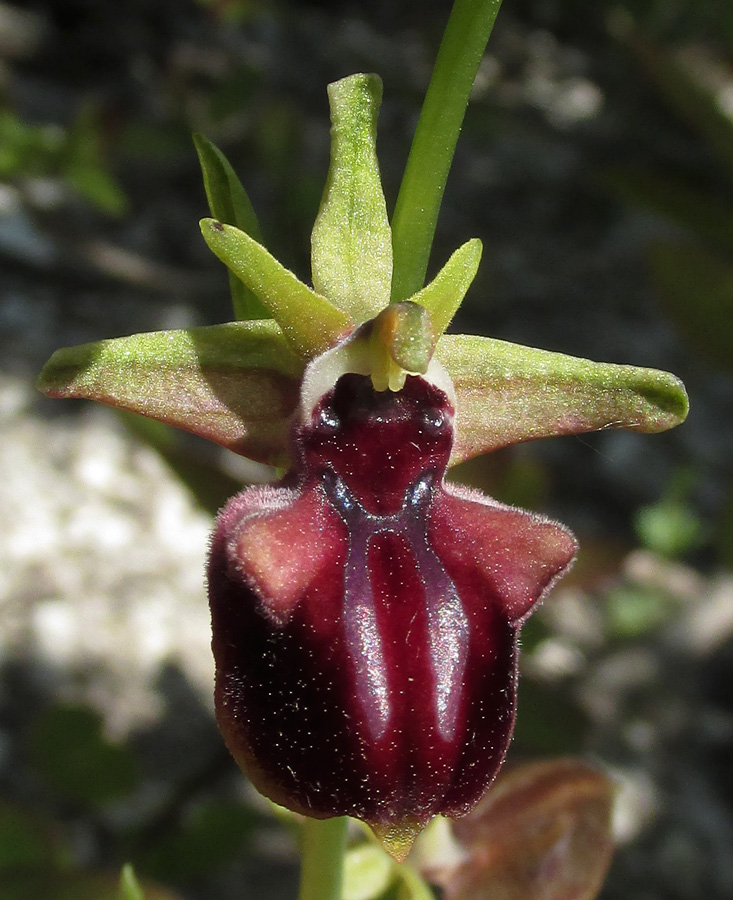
311, 324
351, 246
446, 291
507, 393
229, 202
235, 384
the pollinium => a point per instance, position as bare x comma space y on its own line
366, 613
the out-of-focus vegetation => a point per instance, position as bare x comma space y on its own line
86, 775
693, 272
73, 156
692, 269
667, 20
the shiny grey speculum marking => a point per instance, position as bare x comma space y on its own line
448, 626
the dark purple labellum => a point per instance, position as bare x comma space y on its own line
365, 616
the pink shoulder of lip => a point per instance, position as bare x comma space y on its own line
520, 553
280, 550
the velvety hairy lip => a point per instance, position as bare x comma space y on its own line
365, 616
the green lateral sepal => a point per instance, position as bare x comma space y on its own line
507, 393
235, 384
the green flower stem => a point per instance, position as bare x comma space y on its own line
431, 154
322, 858
415, 887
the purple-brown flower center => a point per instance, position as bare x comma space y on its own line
365, 615
378, 443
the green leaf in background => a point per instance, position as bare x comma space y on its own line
212, 834
76, 155
27, 149
229, 203
368, 872
508, 393
27, 840
431, 154
446, 291
67, 748
351, 244
234, 384
311, 323
52, 885
99, 188
691, 101
706, 215
696, 289
85, 166
129, 885
635, 610
670, 527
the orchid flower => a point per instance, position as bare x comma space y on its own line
365, 610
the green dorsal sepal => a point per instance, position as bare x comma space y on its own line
351, 245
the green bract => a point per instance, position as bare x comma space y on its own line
228, 201
238, 384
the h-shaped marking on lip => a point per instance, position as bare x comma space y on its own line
448, 626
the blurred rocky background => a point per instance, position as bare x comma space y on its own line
596, 164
